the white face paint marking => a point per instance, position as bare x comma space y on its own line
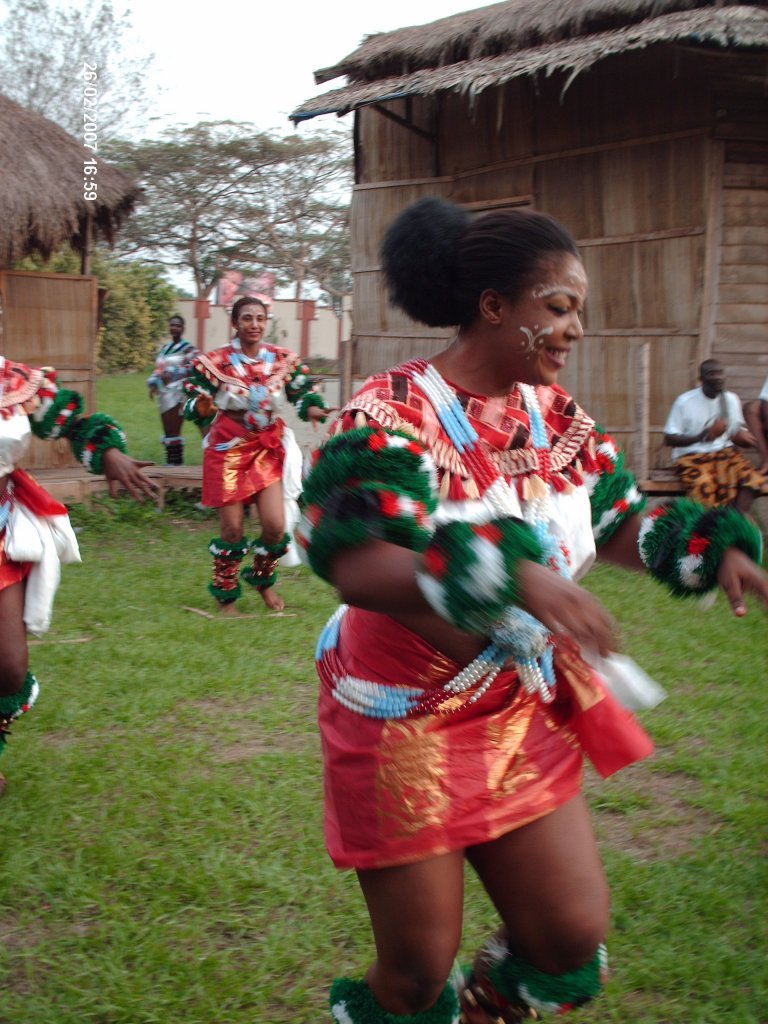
574, 286
535, 341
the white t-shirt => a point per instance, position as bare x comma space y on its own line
692, 411
763, 396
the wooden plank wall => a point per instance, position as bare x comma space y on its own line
741, 307
51, 320
633, 176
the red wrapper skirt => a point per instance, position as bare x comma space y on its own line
402, 790
252, 461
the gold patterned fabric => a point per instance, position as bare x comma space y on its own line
715, 478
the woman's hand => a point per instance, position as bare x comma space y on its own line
121, 469
565, 607
737, 574
317, 415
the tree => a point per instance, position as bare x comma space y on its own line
303, 215
220, 195
44, 50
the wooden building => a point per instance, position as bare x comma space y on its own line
641, 125
52, 319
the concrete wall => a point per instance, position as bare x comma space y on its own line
323, 335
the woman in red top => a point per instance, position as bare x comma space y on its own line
454, 510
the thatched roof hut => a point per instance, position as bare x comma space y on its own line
490, 46
41, 188
641, 124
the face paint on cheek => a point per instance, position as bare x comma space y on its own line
534, 341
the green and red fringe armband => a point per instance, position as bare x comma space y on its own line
91, 436
306, 402
57, 412
613, 493
683, 543
300, 391
17, 704
366, 484
196, 386
469, 572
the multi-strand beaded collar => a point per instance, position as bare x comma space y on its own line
518, 636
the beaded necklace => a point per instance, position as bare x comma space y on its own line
519, 635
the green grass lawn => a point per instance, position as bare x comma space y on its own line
125, 397
162, 857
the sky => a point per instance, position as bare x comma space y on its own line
247, 61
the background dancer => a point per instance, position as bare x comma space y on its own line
35, 534
238, 389
173, 364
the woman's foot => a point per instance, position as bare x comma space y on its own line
272, 599
229, 609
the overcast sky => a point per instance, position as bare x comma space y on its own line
245, 61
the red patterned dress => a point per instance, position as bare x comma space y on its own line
403, 789
243, 455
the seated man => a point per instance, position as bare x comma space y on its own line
703, 427
756, 415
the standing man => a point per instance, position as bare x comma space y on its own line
704, 428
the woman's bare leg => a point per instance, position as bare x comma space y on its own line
271, 509
547, 882
14, 653
548, 885
173, 422
416, 916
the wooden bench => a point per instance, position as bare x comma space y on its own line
664, 483
76, 485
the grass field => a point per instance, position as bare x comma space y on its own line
161, 853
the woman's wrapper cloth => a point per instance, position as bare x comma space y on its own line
242, 471
402, 790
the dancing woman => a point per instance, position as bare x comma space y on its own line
35, 534
454, 509
239, 390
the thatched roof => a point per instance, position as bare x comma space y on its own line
484, 48
41, 188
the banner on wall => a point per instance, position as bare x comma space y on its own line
234, 285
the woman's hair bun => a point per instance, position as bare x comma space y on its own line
419, 260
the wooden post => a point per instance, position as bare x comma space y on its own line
345, 378
305, 311
85, 256
641, 454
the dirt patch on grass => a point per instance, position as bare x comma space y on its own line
649, 816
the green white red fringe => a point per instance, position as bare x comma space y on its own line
507, 981
352, 1003
53, 418
263, 573
92, 435
367, 484
469, 573
614, 496
225, 586
683, 543
17, 704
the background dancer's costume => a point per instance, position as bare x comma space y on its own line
173, 364
242, 456
35, 533
421, 755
